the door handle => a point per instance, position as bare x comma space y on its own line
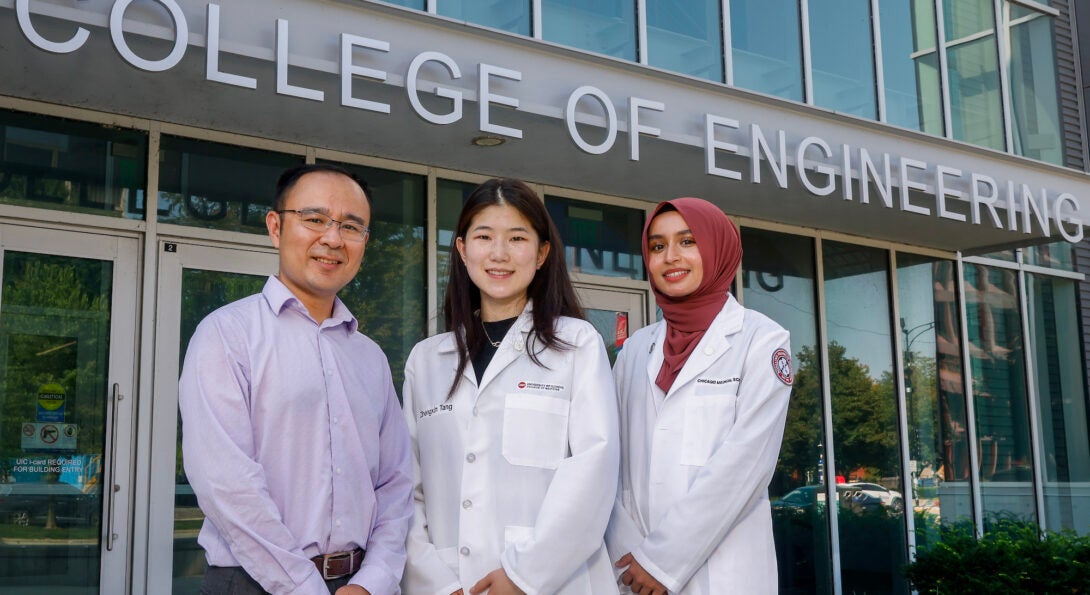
111, 486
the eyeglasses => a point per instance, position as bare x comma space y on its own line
318, 221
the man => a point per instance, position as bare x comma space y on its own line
294, 440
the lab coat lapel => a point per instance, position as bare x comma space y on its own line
512, 346
450, 345
712, 346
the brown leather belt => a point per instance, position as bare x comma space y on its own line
338, 565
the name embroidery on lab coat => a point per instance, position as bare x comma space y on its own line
717, 381
440, 408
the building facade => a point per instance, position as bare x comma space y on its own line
909, 177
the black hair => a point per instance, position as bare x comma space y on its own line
293, 174
550, 289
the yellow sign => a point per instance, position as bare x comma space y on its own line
51, 396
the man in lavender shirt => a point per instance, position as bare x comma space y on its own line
293, 437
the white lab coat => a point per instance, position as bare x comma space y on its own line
693, 506
520, 471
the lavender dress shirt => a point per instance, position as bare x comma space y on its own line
294, 443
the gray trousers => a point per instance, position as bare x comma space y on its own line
233, 580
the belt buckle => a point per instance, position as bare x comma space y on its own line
336, 557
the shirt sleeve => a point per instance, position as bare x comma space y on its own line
425, 571
218, 451
571, 524
623, 533
735, 477
384, 560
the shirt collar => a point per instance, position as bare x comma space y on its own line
278, 296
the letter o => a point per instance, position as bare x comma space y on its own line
611, 116
181, 37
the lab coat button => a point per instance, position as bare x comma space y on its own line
471, 457
464, 551
467, 504
475, 412
518, 347
708, 350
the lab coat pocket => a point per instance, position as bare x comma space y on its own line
707, 419
449, 556
535, 430
516, 534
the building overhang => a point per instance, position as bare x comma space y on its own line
738, 149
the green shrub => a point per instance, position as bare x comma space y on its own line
1011, 557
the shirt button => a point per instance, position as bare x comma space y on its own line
336, 419
329, 372
471, 457
467, 504
464, 551
337, 522
518, 346
338, 470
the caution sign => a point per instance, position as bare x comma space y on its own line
39, 436
51, 403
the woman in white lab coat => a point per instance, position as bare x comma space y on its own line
703, 401
513, 417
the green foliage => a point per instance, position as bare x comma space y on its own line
1011, 557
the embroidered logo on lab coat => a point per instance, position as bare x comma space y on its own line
540, 386
781, 364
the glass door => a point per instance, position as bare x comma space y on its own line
194, 280
67, 353
615, 313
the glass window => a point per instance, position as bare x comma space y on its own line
865, 426
999, 392
206, 184
778, 280
686, 37
388, 295
54, 361
976, 110
842, 56
417, 4
910, 65
52, 163
1034, 103
767, 46
1061, 401
450, 196
506, 15
605, 27
599, 239
938, 439
1058, 255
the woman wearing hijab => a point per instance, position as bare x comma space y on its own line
703, 401
513, 417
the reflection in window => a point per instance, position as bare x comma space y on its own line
865, 426
999, 392
1061, 401
417, 4
976, 109
842, 56
778, 281
599, 239
938, 439
1034, 104
65, 165
54, 350
767, 46
910, 65
388, 294
506, 15
685, 36
1057, 255
450, 196
206, 184
604, 27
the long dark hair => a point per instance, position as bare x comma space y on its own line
551, 289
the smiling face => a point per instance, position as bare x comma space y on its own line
673, 260
315, 265
502, 252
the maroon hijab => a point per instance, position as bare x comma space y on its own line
688, 317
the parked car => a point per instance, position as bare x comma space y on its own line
891, 499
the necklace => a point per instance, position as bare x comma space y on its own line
495, 344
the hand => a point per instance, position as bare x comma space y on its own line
496, 583
352, 590
639, 580
458, 592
